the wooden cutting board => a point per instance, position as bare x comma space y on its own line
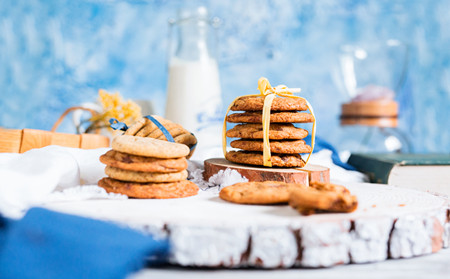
205, 231
291, 175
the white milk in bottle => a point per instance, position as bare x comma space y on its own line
193, 90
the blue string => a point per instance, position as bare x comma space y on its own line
161, 127
117, 125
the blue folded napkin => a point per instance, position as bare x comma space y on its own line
321, 144
47, 244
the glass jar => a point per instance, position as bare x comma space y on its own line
193, 90
371, 74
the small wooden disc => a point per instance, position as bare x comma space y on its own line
290, 175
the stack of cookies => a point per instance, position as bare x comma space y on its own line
286, 140
147, 168
144, 127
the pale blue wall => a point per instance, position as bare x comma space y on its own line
58, 53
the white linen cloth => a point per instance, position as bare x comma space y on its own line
56, 173
48, 174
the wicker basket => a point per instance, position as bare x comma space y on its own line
19, 141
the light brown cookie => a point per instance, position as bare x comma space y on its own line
276, 131
149, 147
282, 147
139, 176
179, 134
256, 158
276, 117
322, 197
126, 161
278, 104
133, 129
268, 192
151, 130
171, 190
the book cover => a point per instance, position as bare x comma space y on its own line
378, 166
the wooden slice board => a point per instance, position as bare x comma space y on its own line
291, 175
206, 231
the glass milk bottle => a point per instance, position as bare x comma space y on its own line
193, 89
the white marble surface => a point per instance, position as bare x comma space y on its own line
429, 266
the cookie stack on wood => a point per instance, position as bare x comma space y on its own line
286, 140
147, 168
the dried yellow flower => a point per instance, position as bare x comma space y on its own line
113, 106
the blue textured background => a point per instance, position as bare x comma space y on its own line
58, 53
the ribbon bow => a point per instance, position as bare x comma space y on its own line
282, 90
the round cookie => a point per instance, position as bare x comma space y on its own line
256, 158
139, 176
276, 117
276, 131
150, 128
126, 161
322, 197
249, 103
171, 190
133, 129
149, 147
283, 147
267, 192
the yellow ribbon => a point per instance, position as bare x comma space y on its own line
269, 93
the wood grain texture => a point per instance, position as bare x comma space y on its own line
205, 231
68, 140
289, 175
10, 140
35, 139
91, 141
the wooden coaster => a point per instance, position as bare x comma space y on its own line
289, 175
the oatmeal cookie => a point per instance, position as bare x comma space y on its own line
248, 103
139, 176
143, 146
282, 147
276, 131
256, 158
276, 117
322, 197
139, 163
267, 192
170, 190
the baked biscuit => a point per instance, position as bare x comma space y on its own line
126, 161
146, 128
149, 147
322, 197
139, 176
276, 117
151, 130
133, 129
268, 192
283, 147
276, 131
248, 103
170, 190
256, 158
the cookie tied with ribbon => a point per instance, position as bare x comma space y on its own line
154, 126
266, 131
